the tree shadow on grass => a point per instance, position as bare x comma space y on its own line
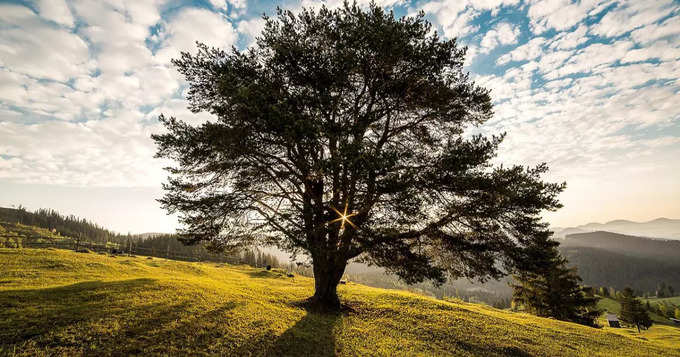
194, 333
33, 310
59, 316
313, 335
134, 316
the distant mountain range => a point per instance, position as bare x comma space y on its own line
612, 259
658, 228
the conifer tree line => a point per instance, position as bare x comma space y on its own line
168, 246
662, 291
70, 226
158, 245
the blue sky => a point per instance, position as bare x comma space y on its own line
590, 87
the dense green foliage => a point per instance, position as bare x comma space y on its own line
341, 136
55, 302
553, 290
632, 311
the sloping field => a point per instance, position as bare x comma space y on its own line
56, 302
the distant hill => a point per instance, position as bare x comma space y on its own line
617, 260
657, 228
55, 302
626, 244
51, 220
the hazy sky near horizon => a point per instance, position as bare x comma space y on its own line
590, 87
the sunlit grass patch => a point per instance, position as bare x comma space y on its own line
59, 302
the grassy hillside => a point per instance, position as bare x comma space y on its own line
614, 306
12, 234
661, 332
675, 300
61, 302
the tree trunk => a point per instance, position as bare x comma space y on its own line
327, 276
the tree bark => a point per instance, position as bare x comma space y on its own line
327, 276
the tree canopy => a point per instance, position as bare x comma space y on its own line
342, 135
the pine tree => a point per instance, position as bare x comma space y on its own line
632, 311
553, 289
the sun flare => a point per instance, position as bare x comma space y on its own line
344, 217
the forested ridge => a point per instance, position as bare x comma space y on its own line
619, 261
65, 225
20, 227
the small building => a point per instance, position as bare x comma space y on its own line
675, 321
613, 320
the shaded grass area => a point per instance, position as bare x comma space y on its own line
55, 302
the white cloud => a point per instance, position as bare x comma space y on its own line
223, 4
559, 14
192, 24
11, 14
661, 50
527, 51
654, 32
502, 34
251, 28
630, 15
569, 39
114, 152
30, 46
584, 60
78, 103
453, 17
56, 10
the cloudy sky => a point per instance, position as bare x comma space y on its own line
591, 87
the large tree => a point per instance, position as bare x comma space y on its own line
340, 135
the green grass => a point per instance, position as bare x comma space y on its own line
12, 234
675, 300
614, 306
609, 305
662, 332
55, 302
